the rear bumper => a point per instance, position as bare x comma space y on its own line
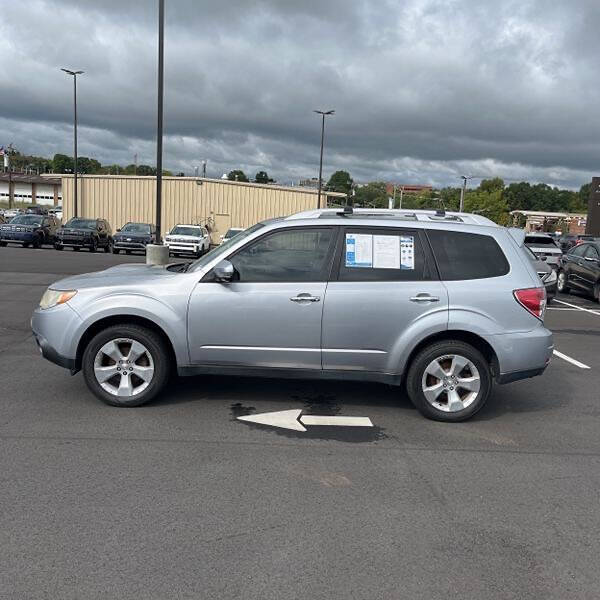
522, 355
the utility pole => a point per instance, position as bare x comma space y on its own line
204, 168
135, 156
465, 178
74, 74
323, 114
159, 127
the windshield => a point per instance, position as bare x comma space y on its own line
136, 228
27, 220
231, 233
536, 240
183, 230
81, 223
223, 248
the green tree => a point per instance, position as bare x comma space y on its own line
371, 195
488, 204
88, 166
61, 163
584, 196
237, 175
491, 185
340, 181
262, 177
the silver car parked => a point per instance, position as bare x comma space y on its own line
444, 302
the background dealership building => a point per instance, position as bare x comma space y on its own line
217, 203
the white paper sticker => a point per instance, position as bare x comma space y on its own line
386, 251
407, 252
359, 250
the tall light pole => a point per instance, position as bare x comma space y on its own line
465, 178
323, 114
74, 74
159, 127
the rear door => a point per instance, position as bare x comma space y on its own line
590, 268
575, 273
383, 284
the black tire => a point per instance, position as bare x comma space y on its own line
127, 251
37, 242
93, 246
562, 286
58, 246
115, 251
3, 244
76, 248
437, 350
108, 248
596, 292
156, 348
25, 245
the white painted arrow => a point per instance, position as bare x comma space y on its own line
291, 419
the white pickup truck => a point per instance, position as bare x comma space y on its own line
188, 239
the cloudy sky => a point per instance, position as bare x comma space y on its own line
424, 90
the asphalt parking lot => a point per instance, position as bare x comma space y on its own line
178, 499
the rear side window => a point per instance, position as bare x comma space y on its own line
578, 250
462, 255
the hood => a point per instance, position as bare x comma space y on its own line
177, 236
119, 275
133, 236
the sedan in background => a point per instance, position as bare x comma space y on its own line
581, 270
29, 230
543, 246
232, 232
134, 237
84, 233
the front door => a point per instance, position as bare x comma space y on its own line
384, 285
270, 316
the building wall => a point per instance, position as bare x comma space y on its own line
22, 193
220, 204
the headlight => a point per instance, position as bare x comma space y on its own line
55, 297
551, 277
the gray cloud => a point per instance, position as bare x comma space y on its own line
423, 89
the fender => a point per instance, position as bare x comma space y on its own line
126, 304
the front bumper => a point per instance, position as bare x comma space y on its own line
74, 242
119, 245
56, 332
16, 236
180, 247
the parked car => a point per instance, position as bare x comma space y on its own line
230, 233
57, 211
443, 302
544, 246
547, 274
10, 213
27, 230
134, 237
581, 269
569, 240
84, 233
34, 209
188, 239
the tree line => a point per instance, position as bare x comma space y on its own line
492, 198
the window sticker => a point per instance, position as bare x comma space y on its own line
407, 252
386, 251
359, 250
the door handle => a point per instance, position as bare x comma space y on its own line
306, 298
424, 298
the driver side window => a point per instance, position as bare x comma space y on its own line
286, 256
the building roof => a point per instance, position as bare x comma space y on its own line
541, 213
200, 180
25, 178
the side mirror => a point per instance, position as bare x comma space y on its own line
224, 271
118, 230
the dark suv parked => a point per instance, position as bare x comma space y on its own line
134, 236
29, 229
85, 233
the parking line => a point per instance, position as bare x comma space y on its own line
570, 360
593, 312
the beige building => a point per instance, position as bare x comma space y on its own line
217, 203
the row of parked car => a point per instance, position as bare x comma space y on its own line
36, 229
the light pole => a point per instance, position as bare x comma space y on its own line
74, 74
159, 127
465, 178
323, 113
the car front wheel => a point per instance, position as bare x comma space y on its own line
561, 284
126, 365
449, 381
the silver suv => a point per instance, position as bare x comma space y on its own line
444, 302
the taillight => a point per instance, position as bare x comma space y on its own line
532, 299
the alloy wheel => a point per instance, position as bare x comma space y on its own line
562, 280
451, 383
124, 367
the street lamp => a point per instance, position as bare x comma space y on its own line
323, 114
159, 125
74, 74
465, 178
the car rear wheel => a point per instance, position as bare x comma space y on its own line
449, 381
561, 284
126, 365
